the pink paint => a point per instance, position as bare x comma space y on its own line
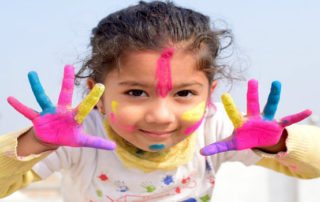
293, 167
193, 128
65, 97
288, 120
116, 122
253, 107
163, 73
24, 110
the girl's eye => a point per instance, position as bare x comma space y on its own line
136, 93
185, 93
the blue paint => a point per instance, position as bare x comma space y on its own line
190, 200
156, 147
168, 180
208, 167
139, 151
273, 101
41, 97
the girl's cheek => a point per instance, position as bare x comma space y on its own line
193, 118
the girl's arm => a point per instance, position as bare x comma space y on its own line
302, 156
15, 170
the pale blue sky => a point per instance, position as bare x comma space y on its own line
275, 40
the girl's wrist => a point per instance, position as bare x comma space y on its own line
29, 144
279, 147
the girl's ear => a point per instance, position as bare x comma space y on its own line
90, 84
213, 87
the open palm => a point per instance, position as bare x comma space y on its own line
62, 124
254, 129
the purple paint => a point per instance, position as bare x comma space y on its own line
163, 73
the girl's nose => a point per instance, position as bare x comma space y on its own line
160, 112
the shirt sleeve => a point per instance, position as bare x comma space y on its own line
16, 171
302, 158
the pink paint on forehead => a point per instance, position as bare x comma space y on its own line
163, 73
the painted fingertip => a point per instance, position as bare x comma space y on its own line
276, 87
111, 146
253, 82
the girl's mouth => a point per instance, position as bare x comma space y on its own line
157, 134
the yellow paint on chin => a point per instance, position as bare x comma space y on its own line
114, 105
194, 114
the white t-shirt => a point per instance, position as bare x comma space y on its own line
92, 175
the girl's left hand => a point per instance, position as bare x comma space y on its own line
255, 129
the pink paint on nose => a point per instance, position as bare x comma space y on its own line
163, 73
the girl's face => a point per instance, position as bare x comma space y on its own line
150, 120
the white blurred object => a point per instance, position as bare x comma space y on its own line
314, 120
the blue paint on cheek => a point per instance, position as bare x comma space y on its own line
156, 147
168, 180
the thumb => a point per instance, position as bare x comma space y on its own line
96, 142
218, 147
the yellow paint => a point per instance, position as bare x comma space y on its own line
234, 114
89, 102
194, 114
114, 105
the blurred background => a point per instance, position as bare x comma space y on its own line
273, 40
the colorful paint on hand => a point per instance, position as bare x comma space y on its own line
163, 73
61, 125
255, 130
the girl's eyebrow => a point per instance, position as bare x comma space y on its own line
182, 85
132, 83
185, 85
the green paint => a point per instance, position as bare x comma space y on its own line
205, 198
99, 193
150, 188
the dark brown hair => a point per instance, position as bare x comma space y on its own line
154, 26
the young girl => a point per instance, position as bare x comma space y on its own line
158, 63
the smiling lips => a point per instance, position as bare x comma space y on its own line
156, 134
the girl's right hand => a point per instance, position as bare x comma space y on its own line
61, 125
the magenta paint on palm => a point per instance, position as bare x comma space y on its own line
163, 73
193, 128
116, 122
59, 127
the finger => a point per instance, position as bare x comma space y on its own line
253, 107
89, 102
234, 114
218, 147
288, 120
273, 101
39, 93
96, 142
65, 97
24, 110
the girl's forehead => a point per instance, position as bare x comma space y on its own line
143, 66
